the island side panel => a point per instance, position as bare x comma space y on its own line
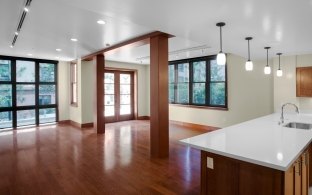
230, 176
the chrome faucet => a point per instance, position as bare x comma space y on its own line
282, 114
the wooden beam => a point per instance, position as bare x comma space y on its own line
98, 111
159, 96
128, 44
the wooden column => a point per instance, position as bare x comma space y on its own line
98, 111
159, 96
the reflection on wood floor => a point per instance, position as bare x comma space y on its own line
61, 159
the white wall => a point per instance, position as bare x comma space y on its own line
63, 90
250, 95
87, 91
285, 87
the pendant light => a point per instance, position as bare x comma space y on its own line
221, 58
249, 64
279, 71
267, 68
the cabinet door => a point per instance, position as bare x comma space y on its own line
304, 82
305, 171
298, 174
289, 181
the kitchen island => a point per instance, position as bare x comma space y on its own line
255, 157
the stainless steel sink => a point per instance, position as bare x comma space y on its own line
295, 125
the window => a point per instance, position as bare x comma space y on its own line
73, 84
27, 92
198, 81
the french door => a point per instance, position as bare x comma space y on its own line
118, 95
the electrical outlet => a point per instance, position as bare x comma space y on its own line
210, 163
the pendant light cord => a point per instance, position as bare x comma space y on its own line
221, 38
267, 57
248, 51
279, 62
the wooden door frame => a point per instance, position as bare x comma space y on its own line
135, 86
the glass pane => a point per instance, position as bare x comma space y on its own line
199, 71
109, 100
171, 74
125, 99
25, 95
73, 73
46, 94
171, 92
199, 93
125, 79
125, 109
109, 89
47, 115
5, 70
217, 71
183, 93
125, 89
217, 94
25, 71
26, 117
5, 95
183, 72
109, 78
46, 72
5, 120
109, 110
74, 92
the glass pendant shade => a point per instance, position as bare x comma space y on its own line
249, 65
279, 73
221, 59
267, 70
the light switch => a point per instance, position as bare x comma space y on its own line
210, 163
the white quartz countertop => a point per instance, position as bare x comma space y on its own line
260, 141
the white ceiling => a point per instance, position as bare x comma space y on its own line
282, 24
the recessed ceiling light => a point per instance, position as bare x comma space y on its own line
57, 57
16, 33
26, 9
29, 54
74, 39
101, 22
58, 50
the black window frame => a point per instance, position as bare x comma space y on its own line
14, 108
208, 81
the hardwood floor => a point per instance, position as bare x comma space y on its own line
62, 159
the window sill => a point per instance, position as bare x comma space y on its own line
200, 107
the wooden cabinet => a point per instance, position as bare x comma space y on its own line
297, 177
222, 175
304, 82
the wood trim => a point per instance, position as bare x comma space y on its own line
64, 122
201, 107
131, 43
99, 107
87, 125
75, 124
159, 130
143, 118
194, 126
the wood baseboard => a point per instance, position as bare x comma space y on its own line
194, 126
143, 118
75, 124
